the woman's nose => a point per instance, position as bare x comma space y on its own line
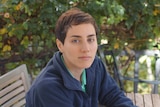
85, 47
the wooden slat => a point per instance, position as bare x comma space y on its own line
10, 88
148, 100
131, 96
139, 100
11, 94
8, 80
20, 103
17, 100
25, 79
156, 100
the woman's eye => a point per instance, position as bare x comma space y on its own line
91, 40
75, 41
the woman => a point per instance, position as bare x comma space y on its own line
75, 76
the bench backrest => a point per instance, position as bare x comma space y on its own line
13, 87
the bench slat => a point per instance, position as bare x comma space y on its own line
20, 103
147, 100
11, 94
10, 88
131, 96
17, 101
156, 100
139, 100
6, 81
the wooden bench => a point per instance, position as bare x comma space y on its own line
13, 87
146, 100
143, 100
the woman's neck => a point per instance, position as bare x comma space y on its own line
76, 74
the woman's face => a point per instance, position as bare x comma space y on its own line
80, 46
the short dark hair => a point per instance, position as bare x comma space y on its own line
71, 17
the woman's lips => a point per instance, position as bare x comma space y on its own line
85, 57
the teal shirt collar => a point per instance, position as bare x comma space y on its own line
83, 79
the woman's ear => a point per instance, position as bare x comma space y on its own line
59, 45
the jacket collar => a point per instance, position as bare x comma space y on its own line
68, 80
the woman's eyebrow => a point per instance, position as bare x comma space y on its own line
78, 36
91, 35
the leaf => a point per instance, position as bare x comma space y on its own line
116, 45
25, 25
1, 44
16, 30
6, 48
3, 31
0, 38
157, 31
27, 10
25, 42
15, 1
129, 23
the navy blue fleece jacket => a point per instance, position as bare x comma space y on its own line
55, 87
